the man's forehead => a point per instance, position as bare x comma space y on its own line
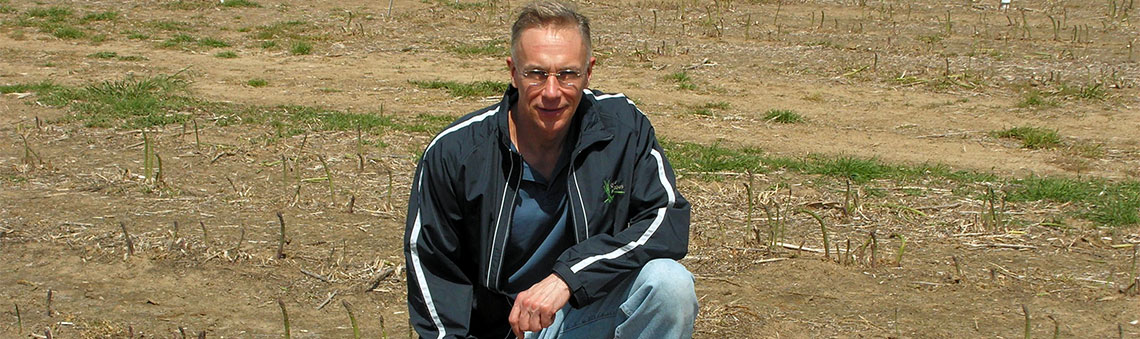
551, 47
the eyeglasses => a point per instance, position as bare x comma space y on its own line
567, 78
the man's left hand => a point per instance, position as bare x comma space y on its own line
535, 308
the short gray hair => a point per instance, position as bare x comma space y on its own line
544, 13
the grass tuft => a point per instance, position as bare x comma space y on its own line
240, 3
708, 108
211, 42
101, 16
67, 32
103, 55
464, 90
1087, 92
683, 80
1032, 137
51, 14
783, 116
178, 40
257, 82
301, 48
226, 55
1035, 99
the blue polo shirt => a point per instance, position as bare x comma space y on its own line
539, 231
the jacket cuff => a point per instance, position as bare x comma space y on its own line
578, 296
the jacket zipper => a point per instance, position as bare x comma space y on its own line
495, 247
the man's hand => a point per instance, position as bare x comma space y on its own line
535, 308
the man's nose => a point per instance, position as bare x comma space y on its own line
550, 88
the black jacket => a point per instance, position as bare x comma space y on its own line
625, 210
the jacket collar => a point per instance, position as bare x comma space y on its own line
586, 128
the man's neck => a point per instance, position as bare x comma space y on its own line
540, 150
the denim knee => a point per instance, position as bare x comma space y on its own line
666, 284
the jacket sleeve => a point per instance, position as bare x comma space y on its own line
439, 292
658, 228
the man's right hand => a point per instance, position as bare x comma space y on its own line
535, 308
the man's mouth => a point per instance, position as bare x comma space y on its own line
549, 111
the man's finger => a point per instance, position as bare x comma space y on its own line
535, 322
514, 320
547, 319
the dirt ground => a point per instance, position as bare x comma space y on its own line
903, 82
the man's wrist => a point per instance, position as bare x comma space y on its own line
573, 285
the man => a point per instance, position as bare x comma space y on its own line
553, 213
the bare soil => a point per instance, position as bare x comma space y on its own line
873, 79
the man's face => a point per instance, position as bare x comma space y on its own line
549, 103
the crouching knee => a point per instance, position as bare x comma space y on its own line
665, 284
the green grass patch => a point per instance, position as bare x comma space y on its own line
41, 87
51, 14
158, 100
301, 48
714, 158
683, 80
132, 58
1035, 99
708, 109
291, 120
137, 36
783, 116
213, 43
240, 3
128, 103
1108, 203
268, 44
101, 16
1031, 137
103, 55
464, 90
226, 55
5, 9
179, 40
1087, 92
257, 82
67, 32
493, 48
1098, 200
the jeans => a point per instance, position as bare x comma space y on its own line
659, 302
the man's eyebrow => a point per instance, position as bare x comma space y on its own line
562, 68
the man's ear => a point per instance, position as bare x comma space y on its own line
511, 71
590, 68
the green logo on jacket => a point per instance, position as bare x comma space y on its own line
612, 189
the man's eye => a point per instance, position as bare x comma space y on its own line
536, 74
569, 75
